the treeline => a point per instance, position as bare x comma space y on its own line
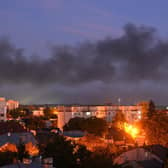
93, 125
67, 154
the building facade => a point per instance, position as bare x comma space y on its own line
12, 104
3, 109
65, 113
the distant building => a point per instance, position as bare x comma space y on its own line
3, 109
107, 112
12, 104
38, 113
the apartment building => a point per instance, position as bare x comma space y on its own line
65, 113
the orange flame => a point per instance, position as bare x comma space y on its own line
130, 129
8, 147
31, 149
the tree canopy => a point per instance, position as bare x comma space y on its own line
65, 154
156, 129
18, 112
93, 125
119, 119
49, 113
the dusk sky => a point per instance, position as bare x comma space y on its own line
84, 51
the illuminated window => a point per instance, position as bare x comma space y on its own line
139, 112
88, 113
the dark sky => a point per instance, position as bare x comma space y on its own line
62, 51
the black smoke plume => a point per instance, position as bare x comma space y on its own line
137, 55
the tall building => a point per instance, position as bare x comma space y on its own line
3, 109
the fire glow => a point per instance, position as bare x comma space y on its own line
130, 129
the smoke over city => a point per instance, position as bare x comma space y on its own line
137, 56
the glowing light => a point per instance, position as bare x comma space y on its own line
139, 117
31, 149
88, 113
8, 147
55, 112
139, 112
130, 129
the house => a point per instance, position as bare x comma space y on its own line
143, 164
159, 150
36, 163
14, 133
137, 154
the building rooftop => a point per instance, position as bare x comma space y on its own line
11, 126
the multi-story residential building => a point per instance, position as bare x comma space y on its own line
65, 113
3, 109
132, 113
12, 104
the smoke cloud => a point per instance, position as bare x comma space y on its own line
138, 55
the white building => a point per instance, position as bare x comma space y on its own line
38, 112
3, 109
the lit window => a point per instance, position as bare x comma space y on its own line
88, 113
139, 117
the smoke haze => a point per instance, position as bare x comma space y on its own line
132, 66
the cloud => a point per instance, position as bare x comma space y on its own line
136, 55
112, 66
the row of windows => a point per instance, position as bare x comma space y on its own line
94, 113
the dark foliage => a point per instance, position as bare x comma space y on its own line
92, 125
7, 157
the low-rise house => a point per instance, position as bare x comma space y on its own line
38, 112
151, 156
143, 164
12, 133
28, 163
137, 154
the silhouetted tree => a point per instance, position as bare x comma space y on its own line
7, 157
151, 110
96, 126
76, 123
67, 154
99, 160
48, 113
156, 129
119, 119
34, 123
15, 113
62, 152
21, 151
93, 125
